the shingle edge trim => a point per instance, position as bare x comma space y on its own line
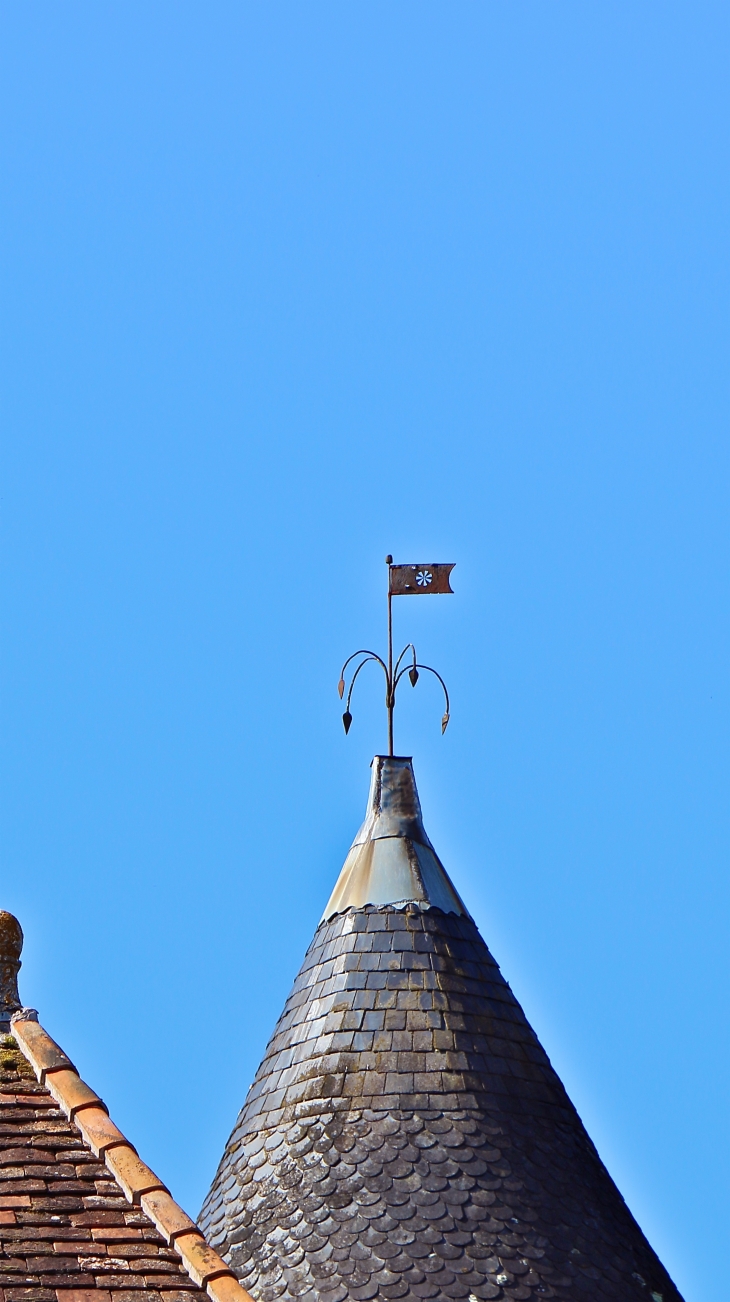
137, 1181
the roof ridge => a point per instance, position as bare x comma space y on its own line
139, 1184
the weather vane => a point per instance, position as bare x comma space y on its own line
403, 581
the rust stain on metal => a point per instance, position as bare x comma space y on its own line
419, 580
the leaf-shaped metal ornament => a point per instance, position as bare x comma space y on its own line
347, 720
444, 723
413, 675
341, 688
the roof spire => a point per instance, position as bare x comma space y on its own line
406, 1137
403, 581
11, 944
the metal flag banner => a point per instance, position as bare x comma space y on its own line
414, 580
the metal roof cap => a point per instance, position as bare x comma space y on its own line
391, 860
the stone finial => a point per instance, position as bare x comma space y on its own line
11, 943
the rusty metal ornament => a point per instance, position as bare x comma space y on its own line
403, 580
419, 580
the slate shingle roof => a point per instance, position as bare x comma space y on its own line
406, 1137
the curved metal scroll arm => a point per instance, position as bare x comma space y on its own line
427, 668
409, 647
391, 680
369, 656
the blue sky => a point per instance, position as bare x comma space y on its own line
285, 288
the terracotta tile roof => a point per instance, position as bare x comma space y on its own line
406, 1137
82, 1218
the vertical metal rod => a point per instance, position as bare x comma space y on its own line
391, 703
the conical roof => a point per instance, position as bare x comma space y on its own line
406, 1136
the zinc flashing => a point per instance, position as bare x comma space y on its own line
391, 861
